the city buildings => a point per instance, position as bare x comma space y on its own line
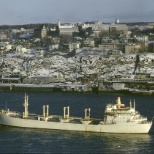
94, 54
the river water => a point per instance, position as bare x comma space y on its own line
21, 140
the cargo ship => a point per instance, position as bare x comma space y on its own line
117, 119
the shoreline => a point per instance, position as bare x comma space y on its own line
52, 88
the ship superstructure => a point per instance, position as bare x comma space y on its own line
117, 119
118, 113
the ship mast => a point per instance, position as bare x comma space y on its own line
66, 112
130, 104
87, 113
26, 113
45, 110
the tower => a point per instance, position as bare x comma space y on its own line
117, 21
44, 32
59, 23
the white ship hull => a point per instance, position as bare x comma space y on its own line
117, 119
103, 128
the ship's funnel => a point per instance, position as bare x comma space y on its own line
118, 100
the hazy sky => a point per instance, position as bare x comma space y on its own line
49, 11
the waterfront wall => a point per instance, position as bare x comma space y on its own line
131, 87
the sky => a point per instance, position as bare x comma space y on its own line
19, 12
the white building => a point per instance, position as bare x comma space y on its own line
22, 50
142, 38
118, 86
53, 46
74, 46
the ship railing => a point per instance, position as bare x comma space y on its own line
55, 118
145, 122
139, 118
86, 121
4, 111
75, 120
142, 117
64, 120
14, 114
107, 123
47, 118
10, 113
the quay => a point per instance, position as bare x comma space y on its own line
42, 87
145, 88
26, 87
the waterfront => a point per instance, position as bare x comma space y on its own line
37, 140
